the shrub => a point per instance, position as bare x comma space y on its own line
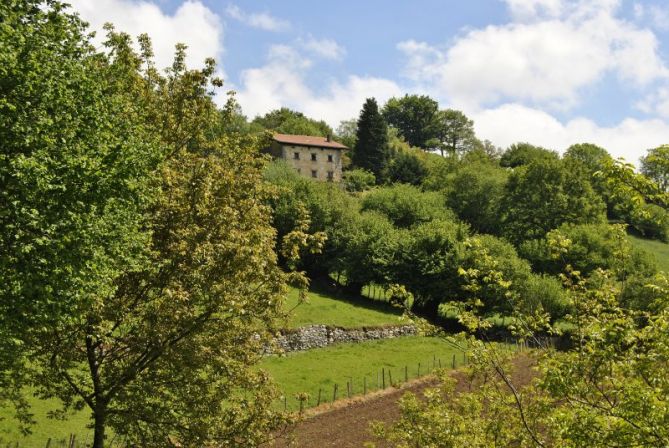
358, 180
406, 205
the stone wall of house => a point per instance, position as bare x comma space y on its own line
328, 161
316, 336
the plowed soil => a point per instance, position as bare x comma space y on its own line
346, 423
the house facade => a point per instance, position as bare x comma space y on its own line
316, 157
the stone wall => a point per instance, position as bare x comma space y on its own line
316, 336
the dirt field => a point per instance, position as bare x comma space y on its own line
346, 424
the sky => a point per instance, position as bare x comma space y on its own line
548, 72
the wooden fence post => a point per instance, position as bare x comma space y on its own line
419, 370
334, 394
364, 385
406, 374
383, 376
48, 443
319, 397
390, 378
453, 362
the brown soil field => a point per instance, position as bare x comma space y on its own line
346, 423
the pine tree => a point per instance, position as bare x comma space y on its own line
371, 150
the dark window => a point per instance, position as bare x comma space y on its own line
330, 175
330, 158
314, 173
313, 156
296, 155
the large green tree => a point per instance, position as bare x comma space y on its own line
655, 165
138, 272
288, 121
371, 148
545, 194
454, 132
414, 117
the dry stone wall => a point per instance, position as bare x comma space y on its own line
316, 336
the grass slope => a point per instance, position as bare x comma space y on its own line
659, 249
324, 307
45, 428
321, 368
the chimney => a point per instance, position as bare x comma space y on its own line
328, 138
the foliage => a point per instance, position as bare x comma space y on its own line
347, 132
454, 132
592, 246
651, 221
406, 205
609, 389
414, 117
520, 154
543, 195
287, 121
655, 166
475, 193
371, 149
147, 283
358, 180
406, 168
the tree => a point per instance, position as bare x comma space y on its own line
655, 165
371, 149
520, 154
454, 132
475, 193
413, 116
406, 168
406, 206
139, 277
347, 132
608, 389
542, 196
288, 121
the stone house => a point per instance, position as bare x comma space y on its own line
316, 157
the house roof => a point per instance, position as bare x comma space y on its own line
307, 140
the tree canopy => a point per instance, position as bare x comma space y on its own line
414, 117
138, 273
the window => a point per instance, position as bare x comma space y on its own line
296, 155
313, 156
330, 175
314, 173
330, 158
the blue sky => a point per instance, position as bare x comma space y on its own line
551, 72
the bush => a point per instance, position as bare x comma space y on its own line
358, 180
406, 205
406, 168
652, 221
544, 292
474, 193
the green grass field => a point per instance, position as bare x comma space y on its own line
324, 308
659, 249
44, 428
317, 369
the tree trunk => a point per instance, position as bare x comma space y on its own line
99, 416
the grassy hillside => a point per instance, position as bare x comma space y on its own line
322, 368
659, 249
325, 308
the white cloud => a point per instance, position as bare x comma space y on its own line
192, 24
281, 83
263, 20
325, 48
522, 10
657, 16
560, 48
511, 123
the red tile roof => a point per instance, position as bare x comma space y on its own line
306, 140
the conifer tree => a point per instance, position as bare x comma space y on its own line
371, 150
